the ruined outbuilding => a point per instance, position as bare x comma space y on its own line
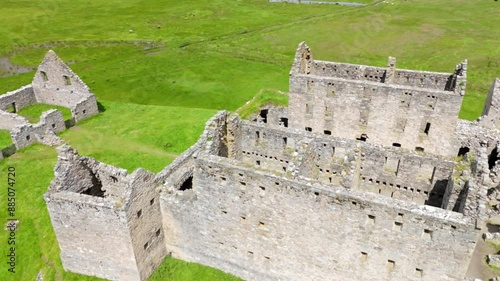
367, 175
54, 83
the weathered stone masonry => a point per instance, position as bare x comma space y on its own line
285, 197
54, 83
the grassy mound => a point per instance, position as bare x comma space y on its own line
264, 97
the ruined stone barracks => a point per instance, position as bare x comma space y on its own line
367, 175
54, 83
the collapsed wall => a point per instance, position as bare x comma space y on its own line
54, 83
106, 220
262, 214
272, 200
26, 134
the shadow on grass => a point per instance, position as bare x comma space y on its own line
100, 107
9, 150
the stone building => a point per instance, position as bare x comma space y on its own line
347, 183
54, 83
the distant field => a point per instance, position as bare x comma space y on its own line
229, 50
161, 68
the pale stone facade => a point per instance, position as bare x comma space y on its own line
54, 83
267, 199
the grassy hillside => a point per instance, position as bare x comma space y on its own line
218, 54
161, 68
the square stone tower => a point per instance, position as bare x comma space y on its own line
107, 222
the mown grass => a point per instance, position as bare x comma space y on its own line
264, 97
34, 111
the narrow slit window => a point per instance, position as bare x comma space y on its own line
427, 234
427, 128
263, 115
327, 132
371, 219
398, 226
308, 109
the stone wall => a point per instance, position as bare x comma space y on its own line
108, 223
55, 83
352, 101
491, 111
84, 108
17, 99
393, 172
93, 236
24, 135
211, 140
10, 120
144, 222
316, 233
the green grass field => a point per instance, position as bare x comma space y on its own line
5, 139
161, 68
33, 112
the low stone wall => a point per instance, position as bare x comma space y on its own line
24, 135
19, 98
10, 120
84, 108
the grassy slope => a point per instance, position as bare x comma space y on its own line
212, 55
133, 136
264, 97
232, 49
